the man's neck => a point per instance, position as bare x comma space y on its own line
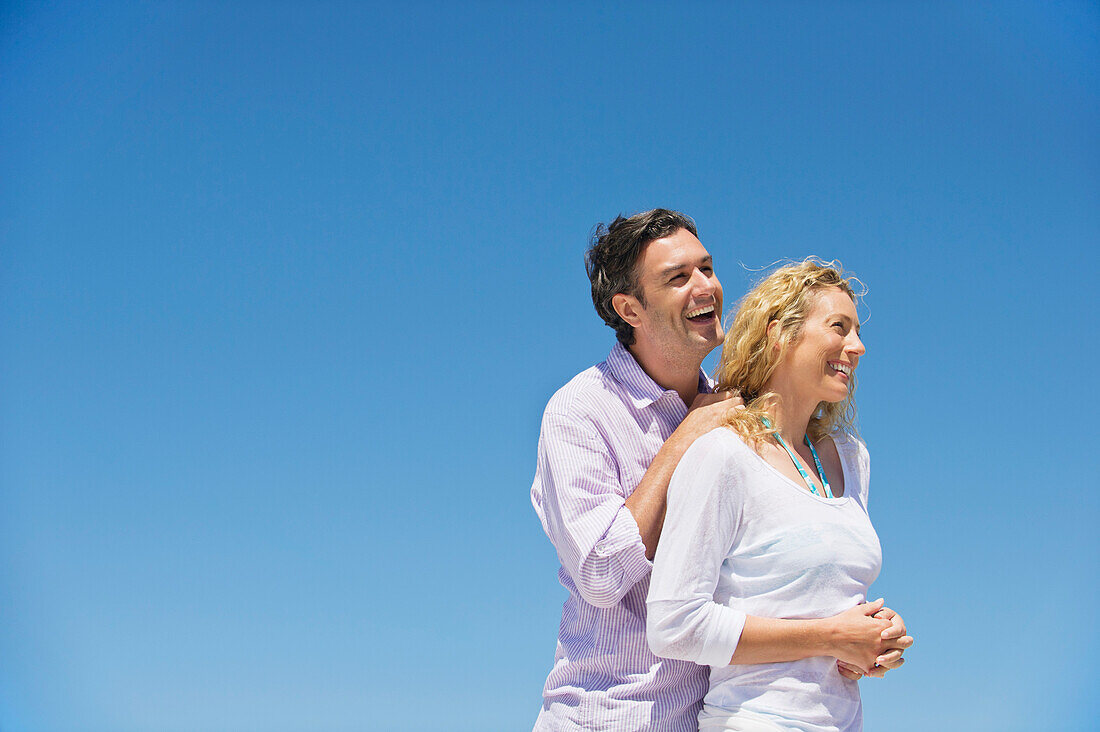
681, 376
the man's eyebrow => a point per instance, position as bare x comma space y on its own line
704, 262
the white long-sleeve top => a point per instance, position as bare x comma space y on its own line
741, 539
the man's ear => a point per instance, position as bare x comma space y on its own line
628, 308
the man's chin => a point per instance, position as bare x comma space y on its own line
707, 343
713, 339
706, 331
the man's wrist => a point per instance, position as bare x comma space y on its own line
679, 441
691, 428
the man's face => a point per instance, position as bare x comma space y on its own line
682, 315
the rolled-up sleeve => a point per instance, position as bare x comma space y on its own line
704, 510
581, 502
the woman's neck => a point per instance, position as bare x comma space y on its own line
791, 416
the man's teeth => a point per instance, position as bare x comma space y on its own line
700, 311
842, 368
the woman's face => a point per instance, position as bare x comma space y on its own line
821, 363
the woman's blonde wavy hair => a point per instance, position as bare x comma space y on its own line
749, 358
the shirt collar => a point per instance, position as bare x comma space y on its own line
642, 390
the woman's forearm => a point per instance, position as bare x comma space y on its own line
775, 640
854, 636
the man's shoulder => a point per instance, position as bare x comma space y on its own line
589, 392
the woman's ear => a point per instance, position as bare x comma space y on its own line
774, 334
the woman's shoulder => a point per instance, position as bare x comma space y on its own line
719, 441
721, 446
848, 444
853, 453
717, 463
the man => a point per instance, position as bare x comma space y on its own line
610, 441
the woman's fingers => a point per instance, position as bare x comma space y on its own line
889, 660
879, 670
848, 671
901, 643
897, 625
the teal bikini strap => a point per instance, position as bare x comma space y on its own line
798, 465
820, 469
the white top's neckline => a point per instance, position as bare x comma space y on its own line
801, 488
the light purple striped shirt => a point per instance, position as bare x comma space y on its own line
600, 432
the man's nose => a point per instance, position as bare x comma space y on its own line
703, 284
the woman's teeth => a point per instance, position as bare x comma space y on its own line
842, 368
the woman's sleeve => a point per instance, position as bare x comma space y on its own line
704, 510
863, 465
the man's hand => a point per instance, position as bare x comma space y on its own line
708, 411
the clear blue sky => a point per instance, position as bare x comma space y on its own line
285, 287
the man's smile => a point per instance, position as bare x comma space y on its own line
704, 314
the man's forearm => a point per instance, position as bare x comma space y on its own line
648, 501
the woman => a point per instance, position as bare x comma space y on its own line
767, 550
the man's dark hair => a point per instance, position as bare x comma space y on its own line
612, 259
